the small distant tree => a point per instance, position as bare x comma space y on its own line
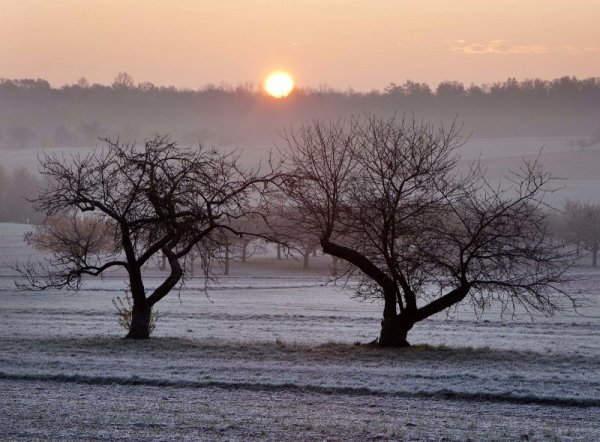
244, 246
83, 83
123, 81
581, 225
386, 197
301, 241
291, 230
142, 201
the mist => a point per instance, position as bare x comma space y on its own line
34, 114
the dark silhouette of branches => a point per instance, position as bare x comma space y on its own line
580, 225
386, 196
127, 203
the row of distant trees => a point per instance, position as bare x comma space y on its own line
19, 187
563, 88
577, 222
384, 196
32, 113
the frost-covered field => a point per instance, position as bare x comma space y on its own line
270, 354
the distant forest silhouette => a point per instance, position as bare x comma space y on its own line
34, 114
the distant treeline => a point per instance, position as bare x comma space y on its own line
34, 114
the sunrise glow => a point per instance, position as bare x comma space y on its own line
279, 84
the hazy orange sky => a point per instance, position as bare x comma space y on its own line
363, 44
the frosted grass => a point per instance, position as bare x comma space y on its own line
269, 354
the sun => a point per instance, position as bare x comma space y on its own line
279, 84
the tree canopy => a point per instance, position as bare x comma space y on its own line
387, 196
149, 199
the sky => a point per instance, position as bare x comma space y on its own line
358, 44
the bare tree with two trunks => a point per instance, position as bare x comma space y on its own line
388, 197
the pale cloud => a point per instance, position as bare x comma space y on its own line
579, 49
503, 47
496, 47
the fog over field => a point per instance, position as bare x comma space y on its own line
502, 123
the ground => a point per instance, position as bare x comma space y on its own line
272, 354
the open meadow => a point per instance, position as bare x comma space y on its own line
272, 352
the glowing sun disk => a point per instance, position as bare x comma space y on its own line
279, 84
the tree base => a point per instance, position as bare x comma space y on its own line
400, 343
140, 323
393, 334
137, 336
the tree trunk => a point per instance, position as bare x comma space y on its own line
278, 251
226, 259
305, 255
139, 328
244, 250
394, 331
192, 259
393, 328
140, 322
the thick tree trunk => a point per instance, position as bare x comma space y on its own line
226, 259
394, 326
278, 251
140, 322
305, 255
244, 250
394, 331
139, 328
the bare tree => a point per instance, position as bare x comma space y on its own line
386, 197
123, 81
244, 246
290, 228
581, 226
157, 198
